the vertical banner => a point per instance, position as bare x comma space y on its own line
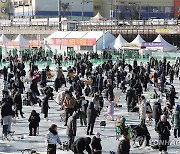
104, 41
38, 40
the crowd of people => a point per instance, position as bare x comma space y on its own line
89, 89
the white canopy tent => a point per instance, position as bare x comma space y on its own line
167, 47
21, 42
3, 40
118, 42
79, 41
98, 17
138, 41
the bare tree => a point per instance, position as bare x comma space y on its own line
134, 11
65, 8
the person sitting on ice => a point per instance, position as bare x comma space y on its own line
96, 144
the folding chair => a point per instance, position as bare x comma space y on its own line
6, 135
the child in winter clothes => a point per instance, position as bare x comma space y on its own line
111, 109
52, 139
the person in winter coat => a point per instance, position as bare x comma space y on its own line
43, 78
96, 102
59, 72
163, 129
100, 83
5, 73
71, 128
69, 104
20, 86
6, 111
34, 120
60, 97
91, 118
142, 109
155, 79
83, 111
130, 98
18, 104
172, 96
57, 84
163, 80
171, 75
124, 145
45, 106
176, 121
87, 90
96, 144
81, 144
111, 109
34, 88
141, 130
157, 112
52, 139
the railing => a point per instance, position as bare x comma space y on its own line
54, 23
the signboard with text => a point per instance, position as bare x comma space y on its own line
74, 42
152, 44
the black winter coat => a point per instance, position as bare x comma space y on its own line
18, 102
34, 120
34, 88
96, 145
91, 114
45, 105
157, 111
163, 129
6, 109
123, 147
80, 145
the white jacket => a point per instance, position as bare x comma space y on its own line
142, 109
53, 139
60, 97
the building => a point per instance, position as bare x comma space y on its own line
49, 8
137, 9
4, 8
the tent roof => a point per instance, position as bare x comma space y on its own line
21, 40
94, 34
77, 34
138, 40
167, 46
98, 17
118, 42
3, 39
59, 34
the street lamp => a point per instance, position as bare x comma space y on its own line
82, 14
59, 14
83, 10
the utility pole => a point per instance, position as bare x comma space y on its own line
59, 14
83, 10
23, 8
111, 14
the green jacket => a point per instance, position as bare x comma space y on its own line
176, 119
